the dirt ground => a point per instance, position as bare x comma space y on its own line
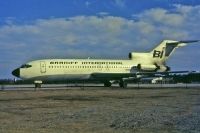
100, 110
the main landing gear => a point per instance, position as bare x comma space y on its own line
107, 84
122, 84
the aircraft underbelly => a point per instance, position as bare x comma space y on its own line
62, 77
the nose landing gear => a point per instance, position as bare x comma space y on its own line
38, 84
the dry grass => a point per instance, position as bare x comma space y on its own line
97, 110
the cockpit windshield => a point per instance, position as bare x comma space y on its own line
26, 66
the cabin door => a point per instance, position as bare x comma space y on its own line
42, 67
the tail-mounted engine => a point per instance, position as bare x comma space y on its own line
146, 67
149, 68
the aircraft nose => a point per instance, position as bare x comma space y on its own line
16, 72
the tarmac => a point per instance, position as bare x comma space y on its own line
90, 86
96, 109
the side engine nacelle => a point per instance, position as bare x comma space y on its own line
146, 67
153, 68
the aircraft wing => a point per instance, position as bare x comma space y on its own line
112, 76
118, 76
162, 73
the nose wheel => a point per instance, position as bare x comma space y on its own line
38, 84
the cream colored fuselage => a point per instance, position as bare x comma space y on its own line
70, 69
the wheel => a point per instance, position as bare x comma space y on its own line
37, 85
107, 84
123, 84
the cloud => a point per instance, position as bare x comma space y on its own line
96, 36
163, 16
87, 3
120, 3
103, 13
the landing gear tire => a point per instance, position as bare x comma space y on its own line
38, 84
123, 84
107, 84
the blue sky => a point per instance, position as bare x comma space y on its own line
35, 29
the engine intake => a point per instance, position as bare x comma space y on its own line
130, 56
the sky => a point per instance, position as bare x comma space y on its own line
41, 29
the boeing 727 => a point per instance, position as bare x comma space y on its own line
105, 71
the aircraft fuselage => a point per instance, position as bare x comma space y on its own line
71, 69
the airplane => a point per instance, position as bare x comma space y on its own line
104, 70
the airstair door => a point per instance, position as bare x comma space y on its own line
42, 67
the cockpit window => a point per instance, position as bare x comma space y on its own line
26, 66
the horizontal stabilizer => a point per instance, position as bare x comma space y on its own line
189, 41
182, 41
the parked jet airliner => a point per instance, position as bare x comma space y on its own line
105, 70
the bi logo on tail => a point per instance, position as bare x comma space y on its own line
158, 54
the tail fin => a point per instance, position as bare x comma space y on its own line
163, 51
155, 60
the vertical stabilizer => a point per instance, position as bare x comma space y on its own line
163, 51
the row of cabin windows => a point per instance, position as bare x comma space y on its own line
61, 62
89, 67
117, 63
